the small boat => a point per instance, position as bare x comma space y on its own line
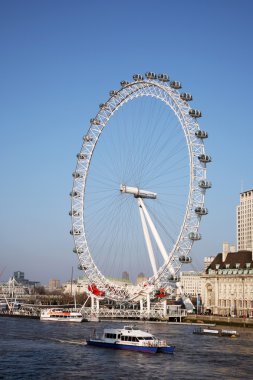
63, 315
131, 339
228, 333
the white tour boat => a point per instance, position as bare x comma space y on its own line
130, 338
63, 315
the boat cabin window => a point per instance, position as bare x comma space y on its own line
129, 338
110, 336
146, 338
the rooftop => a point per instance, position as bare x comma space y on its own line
246, 192
233, 260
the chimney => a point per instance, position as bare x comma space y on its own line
225, 251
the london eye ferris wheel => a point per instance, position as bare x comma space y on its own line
139, 187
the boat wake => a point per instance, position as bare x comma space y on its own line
47, 339
78, 342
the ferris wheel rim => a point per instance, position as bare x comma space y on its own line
181, 109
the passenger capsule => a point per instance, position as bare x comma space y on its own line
186, 97
124, 83
201, 134
77, 175
87, 138
185, 259
78, 250
195, 113
174, 278
176, 85
81, 156
94, 122
201, 211
75, 232
103, 106
204, 158
75, 194
194, 236
113, 93
203, 184
163, 77
74, 213
150, 75
81, 267
137, 77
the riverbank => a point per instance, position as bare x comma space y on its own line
16, 315
201, 320
218, 320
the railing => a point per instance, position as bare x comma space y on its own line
129, 313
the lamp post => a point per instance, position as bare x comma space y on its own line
243, 303
232, 305
198, 303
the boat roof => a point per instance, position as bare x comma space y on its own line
128, 330
211, 331
61, 311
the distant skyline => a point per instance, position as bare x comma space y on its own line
59, 61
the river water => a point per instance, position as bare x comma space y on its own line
34, 349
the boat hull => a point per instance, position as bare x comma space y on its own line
55, 319
166, 349
61, 315
128, 347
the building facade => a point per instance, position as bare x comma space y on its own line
79, 286
19, 277
125, 276
245, 221
191, 283
227, 287
207, 261
54, 284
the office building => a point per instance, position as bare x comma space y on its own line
191, 283
54, 284
125, 276
245, 222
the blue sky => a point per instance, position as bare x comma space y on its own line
59, 60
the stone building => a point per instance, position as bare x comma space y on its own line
125, 276
207, 261
54, 284
79, 286
227, 287
191, 283
141, 278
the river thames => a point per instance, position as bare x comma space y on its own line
32, 349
